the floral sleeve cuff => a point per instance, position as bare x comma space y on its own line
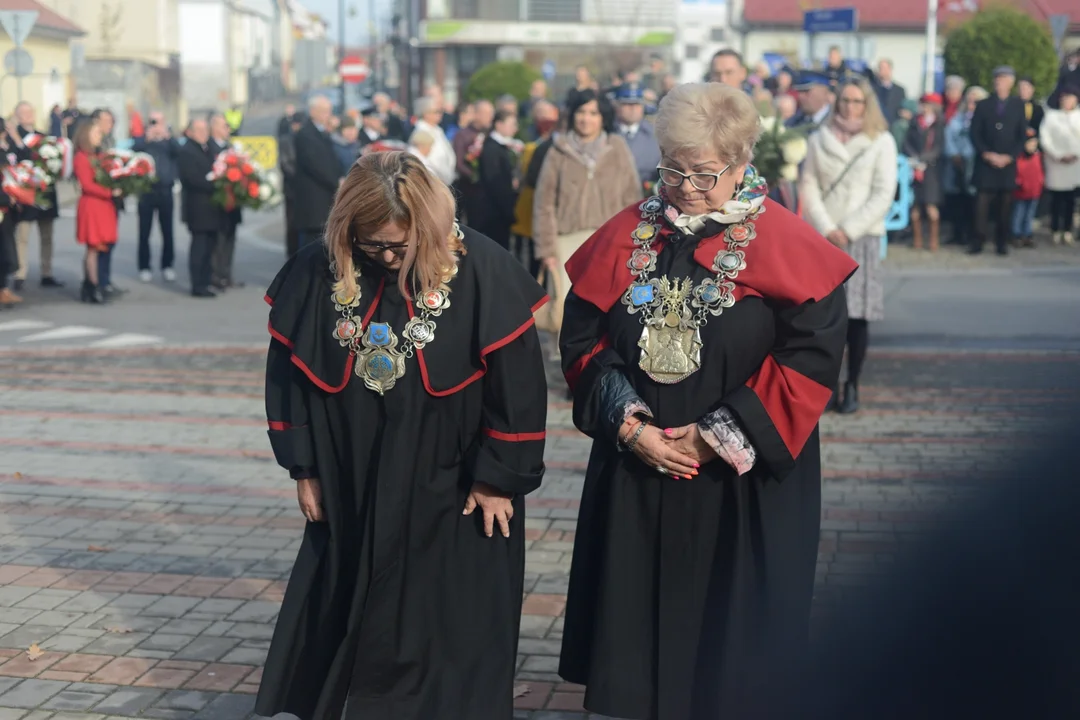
618, 401
721, 430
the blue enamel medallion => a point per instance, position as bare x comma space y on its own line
380, 366
642, 294
379, 334
710, 293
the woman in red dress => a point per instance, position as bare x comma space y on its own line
95, 224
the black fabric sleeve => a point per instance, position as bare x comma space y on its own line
497, 176
782, 403
976, 132
509, 454
310, 160
594, 371
192, 174
287, 413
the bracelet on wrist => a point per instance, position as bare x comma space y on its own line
637, 435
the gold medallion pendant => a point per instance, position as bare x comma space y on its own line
670, 342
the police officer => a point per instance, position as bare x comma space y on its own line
639, 135
815, 95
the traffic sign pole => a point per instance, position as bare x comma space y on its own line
18, 24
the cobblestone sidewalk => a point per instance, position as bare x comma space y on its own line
146, 534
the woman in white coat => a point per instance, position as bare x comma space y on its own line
847, 188
1059, 136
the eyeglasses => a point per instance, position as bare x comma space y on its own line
374, 248
701, 181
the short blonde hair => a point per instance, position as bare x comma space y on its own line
697, 116
976, 93
874, 122
421, 139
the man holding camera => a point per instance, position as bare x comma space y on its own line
159, 143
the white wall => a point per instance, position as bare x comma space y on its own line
702, 29
204, 57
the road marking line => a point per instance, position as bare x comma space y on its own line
124, 340
67, 332
24, 325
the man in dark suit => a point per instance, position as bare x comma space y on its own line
372, 128
287, 165
998, 132
318, 172
222, 265
393, 126
890, 95
203, 218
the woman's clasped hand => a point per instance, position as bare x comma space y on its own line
678, 452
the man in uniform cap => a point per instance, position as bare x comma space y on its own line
998, 132
630, 115
815, 97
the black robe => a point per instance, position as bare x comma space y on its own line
398, 601
686, 596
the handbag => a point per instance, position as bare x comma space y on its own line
549, 317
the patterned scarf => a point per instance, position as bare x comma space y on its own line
749, 197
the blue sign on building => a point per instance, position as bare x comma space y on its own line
548, 70
831, 20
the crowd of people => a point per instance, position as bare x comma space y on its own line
186, 160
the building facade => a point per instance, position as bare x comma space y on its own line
454, 38
227, 53
702, 27
129, 54
49, 45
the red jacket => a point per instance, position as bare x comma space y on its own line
1029, 177
95, 216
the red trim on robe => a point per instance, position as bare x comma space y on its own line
348, 363
276, 425
515, 437
574, 373
794, 402
787, 261
268, 300
484, 352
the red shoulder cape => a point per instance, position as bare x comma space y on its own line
787, 261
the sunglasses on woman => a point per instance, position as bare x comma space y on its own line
701, 181
374, 248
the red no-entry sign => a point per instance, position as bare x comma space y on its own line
353, 69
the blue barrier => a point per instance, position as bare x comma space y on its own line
900, 213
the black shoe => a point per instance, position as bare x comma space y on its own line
220, 285
91, 294
1003, 251
203, 293
50, 282
111, 290
973, 250
18, 285
831, 406
850, 403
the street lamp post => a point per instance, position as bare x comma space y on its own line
341, 50
931, 45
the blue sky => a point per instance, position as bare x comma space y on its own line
356, 27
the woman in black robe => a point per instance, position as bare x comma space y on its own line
405, 393
703, 333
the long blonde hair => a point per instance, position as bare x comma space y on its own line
874, 122
394, 187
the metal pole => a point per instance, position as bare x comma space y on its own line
373, 48
341, 49
931, 45
18, 88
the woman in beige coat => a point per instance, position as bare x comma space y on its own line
588, 176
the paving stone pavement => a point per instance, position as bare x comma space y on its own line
146, 534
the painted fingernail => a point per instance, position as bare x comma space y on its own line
688, 477
667, 431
